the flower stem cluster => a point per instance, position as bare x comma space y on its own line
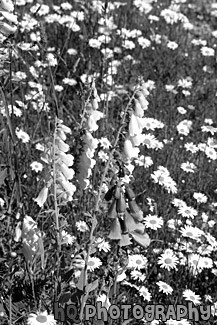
8, 21
87, 162
59, 163
126, 214
136, 125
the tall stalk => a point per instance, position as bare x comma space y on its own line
96, 209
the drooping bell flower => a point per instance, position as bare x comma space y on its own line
115, 231
129, 150
32, 240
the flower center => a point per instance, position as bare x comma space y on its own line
168, 260
41, 318
91, 263
164, 286
138, 262
192, 297
153, 221
189, 234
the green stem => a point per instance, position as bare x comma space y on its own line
56, 213
94, 219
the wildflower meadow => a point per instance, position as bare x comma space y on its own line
108, 151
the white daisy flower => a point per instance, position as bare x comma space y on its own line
23, 136
168, 260
188, 167
41, 318
200, 197
137, 275
189, 146
187, 212
154, 222
189, 295
143, 291
105, 143
137, 262
82, 226
103, 245
93, 263
191, 232
164, 287
36, 166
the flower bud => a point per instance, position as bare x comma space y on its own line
130, 195
112, 213
138, 108
6, 29
121, 204
10, 17
6, 5
109, 194
125, 240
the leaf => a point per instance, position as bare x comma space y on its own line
68, 274
80, 284
41, 250
3, 175
142, 240
2, 259
92, 286
65, 297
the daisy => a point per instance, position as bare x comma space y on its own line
72, 51
185, 83
188, 167
149, 140
40, 147
103, 156
143, 291
211, 223
212, 143
172, 45
205, 250
206, 262
67, 238
168, 260
178, 203
194, 263
69, 81
187, 212
164, 287
189, 295
36, 166
41, 318
181, 110
209, 128
210, 153
23, 136
105, 143
200, 197
211, 240
154, 222
137, 275
189, 146
103, 245
191, 232
137, 262
93, 263
82, 226
207, 51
